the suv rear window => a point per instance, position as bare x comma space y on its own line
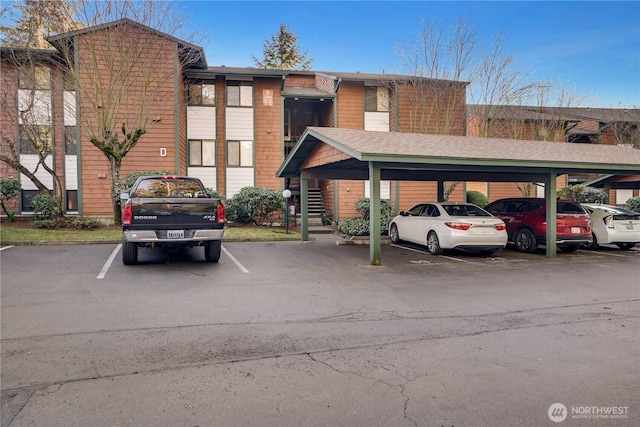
570, 208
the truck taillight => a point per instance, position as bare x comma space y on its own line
126, 214
220, 213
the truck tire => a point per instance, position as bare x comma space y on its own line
129, 253
212, 250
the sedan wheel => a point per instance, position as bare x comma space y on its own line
394, 236
625, 246
525, 241
594, 245
433, 244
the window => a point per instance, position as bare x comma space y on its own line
202, 94
376, 99
415, 211
36, 78
240, 94
26, 199
72, 200
34, 138
240, 153
202, 152
70, 141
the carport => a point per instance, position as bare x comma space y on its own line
333, 153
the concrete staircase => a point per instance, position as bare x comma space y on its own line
316, 207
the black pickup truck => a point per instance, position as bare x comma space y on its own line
170, 212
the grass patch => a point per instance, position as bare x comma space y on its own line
21, 234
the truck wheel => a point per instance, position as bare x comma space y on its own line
212, 250
129, 253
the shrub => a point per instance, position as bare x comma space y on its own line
362, 206
9, 190
75, 222
45, 206
360, 226
257, 205
582, 194
633, 204
477, 198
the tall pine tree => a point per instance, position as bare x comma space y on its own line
283, 53
37, 20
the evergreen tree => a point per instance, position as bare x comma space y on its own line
283, 53
37, 20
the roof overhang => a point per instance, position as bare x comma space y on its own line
333, 153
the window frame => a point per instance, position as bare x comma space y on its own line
25, 146
240, 157
240, 97
202, 152
199, 98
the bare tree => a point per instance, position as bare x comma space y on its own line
120, 67
624, 124
441, 58
27, 113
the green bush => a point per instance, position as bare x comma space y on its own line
74, 222
477, 198
255, 205
45, 206
362, 206
9, 190
360, 226
633, 204
582, 194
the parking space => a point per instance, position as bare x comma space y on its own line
418, 337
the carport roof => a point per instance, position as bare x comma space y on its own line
415, 156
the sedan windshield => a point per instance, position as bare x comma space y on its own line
465, 210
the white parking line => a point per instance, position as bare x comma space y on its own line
107, 264
607, 253
424, 252
235, 261
5, 247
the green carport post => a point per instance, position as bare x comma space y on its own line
552, 210
374, 215
304, 209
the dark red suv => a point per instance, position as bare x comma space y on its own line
526, 222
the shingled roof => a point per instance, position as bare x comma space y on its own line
462, 153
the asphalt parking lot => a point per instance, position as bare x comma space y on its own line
292, 333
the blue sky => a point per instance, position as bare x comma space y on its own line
590, 47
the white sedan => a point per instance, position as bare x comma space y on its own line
611, 224
445, 225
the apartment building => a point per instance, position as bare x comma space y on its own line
231, 127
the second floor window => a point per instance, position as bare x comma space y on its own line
239, 94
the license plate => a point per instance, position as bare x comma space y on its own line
175, 234
629, 226
575, 230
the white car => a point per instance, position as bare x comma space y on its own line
445, 225
611, 224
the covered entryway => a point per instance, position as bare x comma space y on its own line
333, 153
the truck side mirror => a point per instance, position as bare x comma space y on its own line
124, 196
